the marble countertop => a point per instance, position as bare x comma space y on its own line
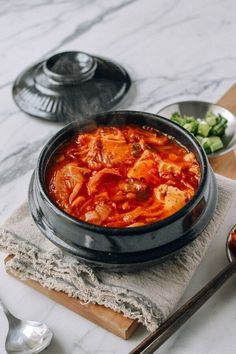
173, 49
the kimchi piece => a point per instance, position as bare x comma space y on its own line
126, 176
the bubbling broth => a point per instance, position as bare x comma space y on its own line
124, 176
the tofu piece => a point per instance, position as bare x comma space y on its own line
172, 197
175, 198
160, 192
167, 168
189, 157
114, 152
142, 167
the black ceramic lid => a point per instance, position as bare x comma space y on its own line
70, 85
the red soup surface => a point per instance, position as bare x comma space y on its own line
122, 176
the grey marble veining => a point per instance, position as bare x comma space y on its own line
173, 49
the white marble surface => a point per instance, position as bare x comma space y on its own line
173, 50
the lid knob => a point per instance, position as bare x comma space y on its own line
70, 68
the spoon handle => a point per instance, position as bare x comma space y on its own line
170, 326
4, 308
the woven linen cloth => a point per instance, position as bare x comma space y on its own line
149, 295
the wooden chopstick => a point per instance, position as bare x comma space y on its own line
170, 326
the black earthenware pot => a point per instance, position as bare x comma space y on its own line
123, 248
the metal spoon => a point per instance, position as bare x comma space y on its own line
170, 326
25, 337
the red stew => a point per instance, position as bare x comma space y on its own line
122, 176
233, 237
232, 244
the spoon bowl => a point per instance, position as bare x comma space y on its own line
25, 337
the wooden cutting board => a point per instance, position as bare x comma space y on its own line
226, 165
104, 317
